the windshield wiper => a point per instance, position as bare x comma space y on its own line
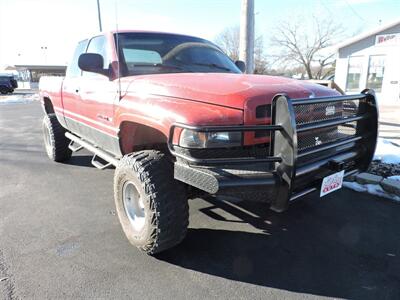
212, 66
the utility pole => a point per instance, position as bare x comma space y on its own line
99, 15
246, 48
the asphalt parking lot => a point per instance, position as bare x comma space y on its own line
60, 237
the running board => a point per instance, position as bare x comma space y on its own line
74, 148
111, 160
98, 164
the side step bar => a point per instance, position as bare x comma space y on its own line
97, 151
74, 148
98, 164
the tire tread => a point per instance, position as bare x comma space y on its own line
167, 196
60, 151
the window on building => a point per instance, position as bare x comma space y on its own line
376, 70
354, 72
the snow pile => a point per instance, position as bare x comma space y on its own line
397, 177
10, 99
387, 152
386, 164
373, 189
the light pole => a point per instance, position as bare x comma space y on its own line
44, 48
99, 15
246, 48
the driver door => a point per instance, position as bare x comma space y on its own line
98, 94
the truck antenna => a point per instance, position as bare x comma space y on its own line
117, 45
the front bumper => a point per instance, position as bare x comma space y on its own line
288, 172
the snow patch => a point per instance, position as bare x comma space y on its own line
396, 177
355, 186
374, 189
11, 99
387, 152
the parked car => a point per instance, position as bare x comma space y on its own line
177, 118
7, 84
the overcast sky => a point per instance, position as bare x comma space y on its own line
28, 25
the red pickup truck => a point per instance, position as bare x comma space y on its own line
176, 117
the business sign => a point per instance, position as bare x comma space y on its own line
388, 39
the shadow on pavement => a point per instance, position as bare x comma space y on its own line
80, 160
345, 245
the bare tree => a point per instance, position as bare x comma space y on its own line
260, 59
300, 43
228, 40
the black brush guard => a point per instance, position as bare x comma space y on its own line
310, 139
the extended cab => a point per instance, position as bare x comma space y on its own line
176, 117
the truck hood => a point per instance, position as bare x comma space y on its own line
229, 90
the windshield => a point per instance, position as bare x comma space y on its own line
155, 53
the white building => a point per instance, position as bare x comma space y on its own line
371, 60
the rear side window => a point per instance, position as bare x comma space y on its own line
73, 69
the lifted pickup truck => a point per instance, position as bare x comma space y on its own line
176, 117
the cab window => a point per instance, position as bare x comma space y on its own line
73, 70
98, 45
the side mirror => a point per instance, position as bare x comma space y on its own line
241, 65
92, 62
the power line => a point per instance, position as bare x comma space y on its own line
354, 11
326, 7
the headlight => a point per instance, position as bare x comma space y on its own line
196, 139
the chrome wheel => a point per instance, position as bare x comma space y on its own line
133, 205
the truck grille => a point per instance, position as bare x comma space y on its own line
314, 113
263, 111
256, 151
325, 111
322, 136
